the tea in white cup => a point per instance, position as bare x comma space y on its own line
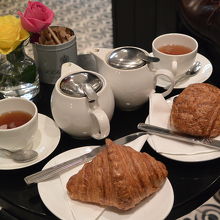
177, 52
18, 123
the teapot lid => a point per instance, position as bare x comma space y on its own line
72, 85
126, 58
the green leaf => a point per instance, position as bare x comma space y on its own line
29, 74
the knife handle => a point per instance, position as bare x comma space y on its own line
151, 129
55, 170
163, 132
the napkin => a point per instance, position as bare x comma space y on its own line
159, 115
80, 210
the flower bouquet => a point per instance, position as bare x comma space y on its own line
52, 45
17, 71
19, 74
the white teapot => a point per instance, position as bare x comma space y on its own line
132, 85
82, 103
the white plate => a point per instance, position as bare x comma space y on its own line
186, 158
45, 142
203, 74
59, 205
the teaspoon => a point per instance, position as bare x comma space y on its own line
20, 156
189, 73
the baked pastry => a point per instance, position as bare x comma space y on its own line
118, 176
196, 111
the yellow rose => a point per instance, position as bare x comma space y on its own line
11, 33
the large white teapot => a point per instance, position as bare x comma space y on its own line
82, 103
131, 86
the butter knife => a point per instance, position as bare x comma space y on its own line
56, 170
151, 129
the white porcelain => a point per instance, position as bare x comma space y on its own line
177, 150
22, 136
204, 73
65, 208
75, 115
177, 64
132, 87
45, 142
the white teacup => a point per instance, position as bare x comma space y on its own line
182, 52
82, 117
22, 136
131, 87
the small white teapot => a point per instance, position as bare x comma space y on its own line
133, 82
82, 103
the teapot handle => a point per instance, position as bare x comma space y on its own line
68, 68
170, 76
101, 126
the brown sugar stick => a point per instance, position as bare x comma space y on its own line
54, 36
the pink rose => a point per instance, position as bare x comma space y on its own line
36, 17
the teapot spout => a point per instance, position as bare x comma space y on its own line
68, 68
100, 56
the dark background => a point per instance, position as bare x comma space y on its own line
138, 22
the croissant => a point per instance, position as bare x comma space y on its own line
196, 111
118, 176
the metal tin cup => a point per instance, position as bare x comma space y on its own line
49, 58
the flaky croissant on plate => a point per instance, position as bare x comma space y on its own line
118, 176
196, 111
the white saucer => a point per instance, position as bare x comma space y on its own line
65, 208
45, 142
200, 157
203, 74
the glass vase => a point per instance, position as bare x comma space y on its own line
18, 75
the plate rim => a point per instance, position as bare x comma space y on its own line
85, 149
181, 85
38, 159
172, 156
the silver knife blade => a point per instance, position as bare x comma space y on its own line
151, 129
56, 170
